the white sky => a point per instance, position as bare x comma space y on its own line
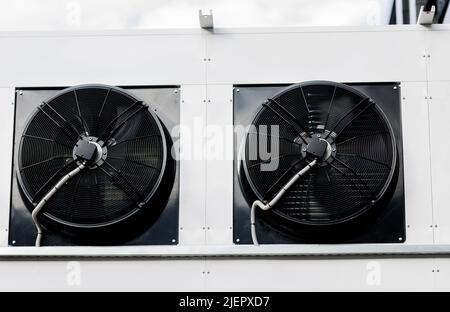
129, 14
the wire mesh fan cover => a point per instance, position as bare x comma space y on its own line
355, 178
120, 184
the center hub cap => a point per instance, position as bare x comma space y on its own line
91, 151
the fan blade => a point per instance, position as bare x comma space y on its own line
319, 99
113, 121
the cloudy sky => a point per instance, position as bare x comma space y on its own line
129, 14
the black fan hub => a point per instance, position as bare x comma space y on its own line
86, 150
89, 150
318, 148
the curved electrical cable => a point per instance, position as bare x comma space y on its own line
269, 205
47, 197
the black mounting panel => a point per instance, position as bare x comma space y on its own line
164, 231
386, 226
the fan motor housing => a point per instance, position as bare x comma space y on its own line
324, 216
128, 193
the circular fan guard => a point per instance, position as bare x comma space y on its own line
120, 183
352, 179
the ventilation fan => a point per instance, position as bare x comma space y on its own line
335, 169
94, 165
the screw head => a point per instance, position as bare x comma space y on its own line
174, 240
237, 90
237, 240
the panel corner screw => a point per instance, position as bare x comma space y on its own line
238, 240
174, 240
175, 91
20, 92
237, 90
395, 88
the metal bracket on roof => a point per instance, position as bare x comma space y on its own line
206, 20
426, 17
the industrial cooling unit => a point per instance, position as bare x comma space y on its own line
338, 175
93, 166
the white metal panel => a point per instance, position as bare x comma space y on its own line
7, 96
292, 274
300, 56
219, 165
440, 151
243, 56
118, 60
192, 165
416, 156
98, 275
442, 274
438, 51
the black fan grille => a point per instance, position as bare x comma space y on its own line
110, 191
351, 181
